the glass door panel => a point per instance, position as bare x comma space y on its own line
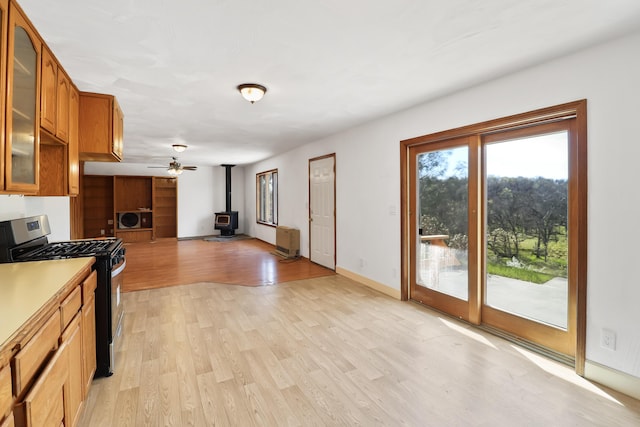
526, 229
24, 109
443, 188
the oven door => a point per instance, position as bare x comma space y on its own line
117, 311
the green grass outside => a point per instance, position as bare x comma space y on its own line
519, 273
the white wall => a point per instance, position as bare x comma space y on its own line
56, 208
201, 193
368, 180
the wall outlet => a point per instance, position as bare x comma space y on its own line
102, 232
608, 339
110, 222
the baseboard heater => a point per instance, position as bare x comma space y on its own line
287, 242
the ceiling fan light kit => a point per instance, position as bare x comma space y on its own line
176, 168
252, 92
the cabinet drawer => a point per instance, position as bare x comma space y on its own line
6, 398
31, 357
88, 287
44, 404
70, 306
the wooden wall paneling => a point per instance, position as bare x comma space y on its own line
132, 193
97, 205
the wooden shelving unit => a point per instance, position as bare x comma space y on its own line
97, 205
165, 206
134, 208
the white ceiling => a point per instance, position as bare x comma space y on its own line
328, 64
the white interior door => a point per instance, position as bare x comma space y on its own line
322, 213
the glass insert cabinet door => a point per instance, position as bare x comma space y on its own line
23, 100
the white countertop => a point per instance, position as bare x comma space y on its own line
27, 286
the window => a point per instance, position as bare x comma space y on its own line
267, 197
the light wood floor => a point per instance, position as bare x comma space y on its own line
328, 352
243, 262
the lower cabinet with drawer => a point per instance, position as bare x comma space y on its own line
44, 403
47, 379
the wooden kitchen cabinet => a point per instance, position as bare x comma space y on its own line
89, 362
100, 128
46, 357
55, 89
72, 147
48, 89
63, 92
44, 404
23, 97
59, 163
30, 358
6, 396
73, 387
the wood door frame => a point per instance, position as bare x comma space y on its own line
578, 165
335, 208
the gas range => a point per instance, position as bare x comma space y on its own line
25, 239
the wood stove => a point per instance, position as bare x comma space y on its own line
227, 221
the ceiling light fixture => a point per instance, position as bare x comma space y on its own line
252, 92
179, 147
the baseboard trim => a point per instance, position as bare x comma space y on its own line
380, 287
612, 378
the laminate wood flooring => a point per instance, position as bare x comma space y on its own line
248, 262
328, 352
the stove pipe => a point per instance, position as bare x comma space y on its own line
228, 186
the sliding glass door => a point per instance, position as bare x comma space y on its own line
496, 228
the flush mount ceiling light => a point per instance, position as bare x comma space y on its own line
252, 92
179, 147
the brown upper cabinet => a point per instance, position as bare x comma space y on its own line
22, 141
55, 90
101, 128
48, 88
40, 107
73, 153
62, 105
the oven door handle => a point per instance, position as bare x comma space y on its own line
118, 270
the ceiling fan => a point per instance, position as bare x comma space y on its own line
175, 167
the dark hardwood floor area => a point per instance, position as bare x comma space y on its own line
248, 262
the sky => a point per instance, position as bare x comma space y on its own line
546, 156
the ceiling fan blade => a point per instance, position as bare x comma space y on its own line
157, 167
189, 168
